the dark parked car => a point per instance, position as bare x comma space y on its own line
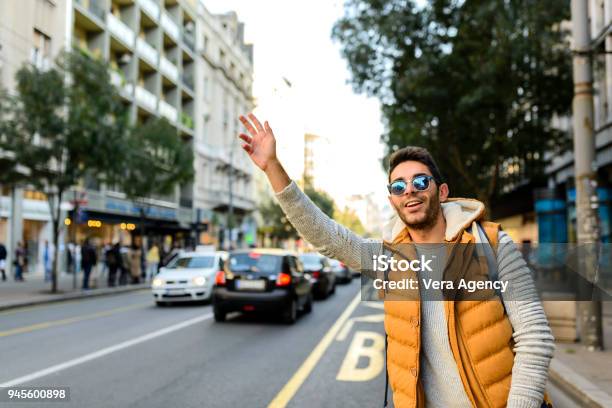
262, 280
343, 272
323, 277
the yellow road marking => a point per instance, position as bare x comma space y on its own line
284, 396
60, 303
53, 323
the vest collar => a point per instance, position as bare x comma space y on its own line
459, 214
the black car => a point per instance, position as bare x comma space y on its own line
262, 280
322, 274
343, 272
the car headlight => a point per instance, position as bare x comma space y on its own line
157, 282
199, 280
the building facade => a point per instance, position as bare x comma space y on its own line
170, 59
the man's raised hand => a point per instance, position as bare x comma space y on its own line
260, 144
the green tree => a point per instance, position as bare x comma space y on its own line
276, 225
475, 82
321, 199
62, 124
158, 161
350, 220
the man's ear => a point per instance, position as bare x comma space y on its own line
443, 192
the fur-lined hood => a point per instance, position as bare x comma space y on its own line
458, 212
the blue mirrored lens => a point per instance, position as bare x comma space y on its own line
398, 187
420, 183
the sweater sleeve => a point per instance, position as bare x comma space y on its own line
327, 236
534, 342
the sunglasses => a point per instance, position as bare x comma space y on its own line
419, 183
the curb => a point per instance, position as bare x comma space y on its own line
576, 386
72, 296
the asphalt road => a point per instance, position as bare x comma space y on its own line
122, 351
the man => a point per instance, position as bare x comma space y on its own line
3, 255
440, 354
88, 261
19, 261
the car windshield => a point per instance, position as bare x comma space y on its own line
193, 262
254, 262
334, 262
311, 261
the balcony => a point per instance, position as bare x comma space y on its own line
92, 6
168, 111
187, 120
146, 98
118, 80
120, 30
169, 69
170, 26
189, 40
150, 7
188, 81
148, 52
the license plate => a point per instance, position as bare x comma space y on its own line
174, 291
250, 284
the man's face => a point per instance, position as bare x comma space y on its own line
418, 209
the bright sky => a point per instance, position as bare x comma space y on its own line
292, 39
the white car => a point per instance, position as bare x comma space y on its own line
189, 277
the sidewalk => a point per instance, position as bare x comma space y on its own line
586, 375
34, 290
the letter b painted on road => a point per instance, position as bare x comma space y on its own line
374, 351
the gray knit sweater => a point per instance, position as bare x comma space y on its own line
534, 343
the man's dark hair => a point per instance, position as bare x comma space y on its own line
415, 153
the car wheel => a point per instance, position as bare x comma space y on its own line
333, 289
290, 314
308, 304
219, 315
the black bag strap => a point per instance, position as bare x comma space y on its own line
386, 375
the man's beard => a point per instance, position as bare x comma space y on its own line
431, 215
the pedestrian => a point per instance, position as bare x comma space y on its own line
439, 353
88, 261
113, 262
47, 260
3, 255
70, 258
135, 264
152, 262
19, 261
124, 271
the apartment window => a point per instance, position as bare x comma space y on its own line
205, 44
41, 50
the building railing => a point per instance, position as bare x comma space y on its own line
93, 6
147, 51
168, 111
150, 7
146, 98
120, 30
169, 69
187, 80
189, 40
170, 26
187, 120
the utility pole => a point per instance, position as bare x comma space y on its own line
230, 207
589, 312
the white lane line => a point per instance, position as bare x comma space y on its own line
105, 351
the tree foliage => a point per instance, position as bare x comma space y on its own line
158, 160
475, 82
59, 125
350, 220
